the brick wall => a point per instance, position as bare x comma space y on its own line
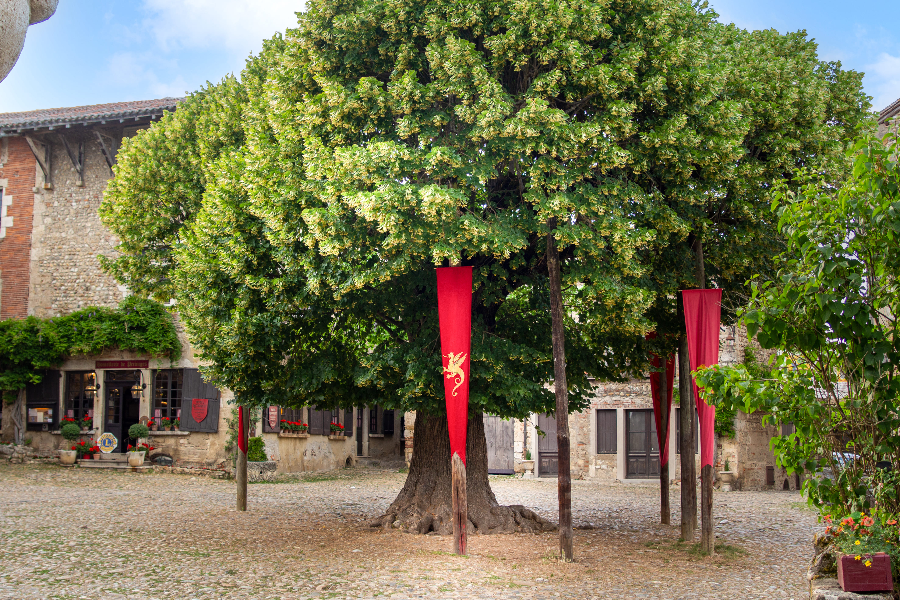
17, 176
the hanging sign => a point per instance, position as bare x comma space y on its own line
454, 289
702, 316
273, 417
107, 442
199, 408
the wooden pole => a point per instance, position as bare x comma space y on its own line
240, 475
460, 505
707, 477
564, 478
665, 511
688, 435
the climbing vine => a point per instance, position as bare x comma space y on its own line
30, 346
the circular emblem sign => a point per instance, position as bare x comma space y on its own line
107, 442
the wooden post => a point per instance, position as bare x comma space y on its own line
460, 505
665, 511
688, 435
240, 475
707, 477
564, 478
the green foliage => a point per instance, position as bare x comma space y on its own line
256, 450
831, 314
70, 431
138, 431
381, 139
30, 346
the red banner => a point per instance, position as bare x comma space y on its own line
242, 434
662, 435
454, 289
703, 316
199, 408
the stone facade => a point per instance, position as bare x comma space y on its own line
50, 239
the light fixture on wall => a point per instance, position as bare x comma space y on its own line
138, 387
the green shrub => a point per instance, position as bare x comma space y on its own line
71, 431
138, 431
256, 451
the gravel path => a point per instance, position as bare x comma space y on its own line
79, 533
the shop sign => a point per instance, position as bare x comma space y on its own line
107, 442
273, 417
122, 364
199, 407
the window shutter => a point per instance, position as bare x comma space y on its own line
271, 413
348, 422
211, 423
51, 386
606, 432
316, 421
387, 422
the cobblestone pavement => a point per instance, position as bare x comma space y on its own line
79, 533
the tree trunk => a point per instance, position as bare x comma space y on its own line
564, 478
425, 504
688, 435
665, 512
18, 418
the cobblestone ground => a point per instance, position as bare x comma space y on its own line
79, 533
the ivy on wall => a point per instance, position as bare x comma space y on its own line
29, 346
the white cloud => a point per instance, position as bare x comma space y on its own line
139, 70
235, 25
883, 80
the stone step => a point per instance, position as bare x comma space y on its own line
110, 464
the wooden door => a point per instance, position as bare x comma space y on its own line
500, 449
642, 458
548, 454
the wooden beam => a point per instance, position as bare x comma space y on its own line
77, 160
109, 150
43, 161
459, 504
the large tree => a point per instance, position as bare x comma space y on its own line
381, 139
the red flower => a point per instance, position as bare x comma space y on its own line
73, 448
868, 521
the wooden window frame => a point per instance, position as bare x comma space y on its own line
82, 396
166, 411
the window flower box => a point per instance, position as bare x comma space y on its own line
292, 434
865, 572
337, 436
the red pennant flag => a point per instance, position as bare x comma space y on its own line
242, 435
454, 289
662, 436
702, 316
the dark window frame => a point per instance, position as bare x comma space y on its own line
165, 393
44, 395
82, 396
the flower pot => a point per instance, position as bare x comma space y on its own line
67, 457
168, 428
135, 459
87, 457
726, 478
855, 576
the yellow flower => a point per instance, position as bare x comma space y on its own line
857, 557
868, 563
856, 542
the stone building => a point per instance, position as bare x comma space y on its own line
615, 438
54, 168
889, 119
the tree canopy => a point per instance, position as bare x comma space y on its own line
311, 201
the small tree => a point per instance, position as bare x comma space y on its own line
832, 316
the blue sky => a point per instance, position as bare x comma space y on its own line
97, 51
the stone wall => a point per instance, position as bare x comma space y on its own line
68, 236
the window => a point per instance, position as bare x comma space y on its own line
280, 414
381, 422
607, 442
167, 391
42, 403
81, 388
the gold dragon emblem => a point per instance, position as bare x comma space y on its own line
454, 369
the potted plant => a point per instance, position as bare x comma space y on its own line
152, 424
70, 431
84, 449
87, 422
864, 546
337, 429
175, 423
726, 477
166, 423
136, 453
